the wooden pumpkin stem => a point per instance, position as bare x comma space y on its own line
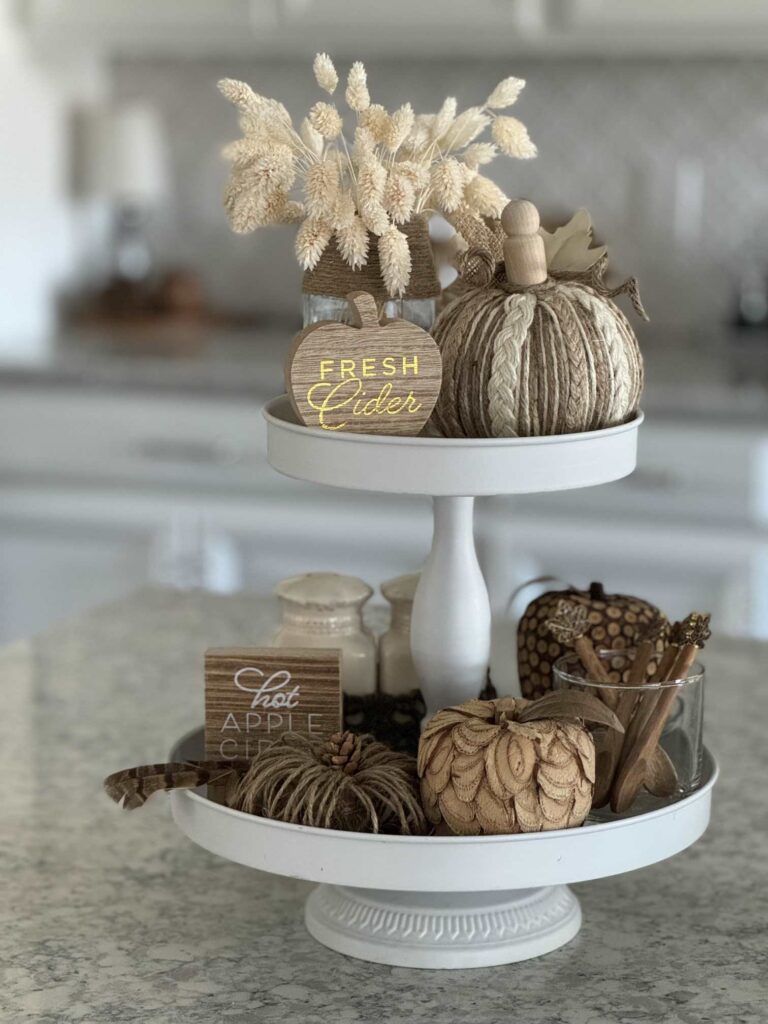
363, 309
525, 259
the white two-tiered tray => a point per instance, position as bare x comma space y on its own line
445, 902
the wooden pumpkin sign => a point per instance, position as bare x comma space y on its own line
367, 377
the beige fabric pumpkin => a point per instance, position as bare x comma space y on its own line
511, 765
554, 358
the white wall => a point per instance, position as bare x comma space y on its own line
668, 155
47, 240
34, 227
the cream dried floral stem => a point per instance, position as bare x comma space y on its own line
426, 163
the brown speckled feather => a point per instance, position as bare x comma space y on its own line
132, 787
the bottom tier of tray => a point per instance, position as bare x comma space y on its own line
448, 901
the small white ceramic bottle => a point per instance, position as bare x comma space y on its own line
324, 609
397, 673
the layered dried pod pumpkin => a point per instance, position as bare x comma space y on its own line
511, 765
614, 622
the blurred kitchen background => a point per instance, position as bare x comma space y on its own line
131, 441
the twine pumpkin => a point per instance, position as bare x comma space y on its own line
511, 765
615, 622
349, 782
529, 353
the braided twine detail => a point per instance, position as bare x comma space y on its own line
559, 357
503, 388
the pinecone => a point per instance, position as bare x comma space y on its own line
344, 752
511, 765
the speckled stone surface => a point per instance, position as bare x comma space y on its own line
108, 917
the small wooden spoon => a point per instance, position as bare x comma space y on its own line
694, 632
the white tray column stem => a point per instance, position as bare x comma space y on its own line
451, 622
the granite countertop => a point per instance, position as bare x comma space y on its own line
110, 917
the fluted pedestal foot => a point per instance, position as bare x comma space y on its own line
443, 930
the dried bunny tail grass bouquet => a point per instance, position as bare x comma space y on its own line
397, 167
349, 782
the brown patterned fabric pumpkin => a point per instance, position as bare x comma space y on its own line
615, 620
534, 350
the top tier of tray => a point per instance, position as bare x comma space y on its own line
447, 466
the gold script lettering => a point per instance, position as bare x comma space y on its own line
326, 398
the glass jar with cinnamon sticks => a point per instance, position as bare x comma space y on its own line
658, 759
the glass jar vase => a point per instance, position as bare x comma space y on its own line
332, 307
324, 610
329, 282
679, 703
397, 673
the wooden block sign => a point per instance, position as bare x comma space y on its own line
368, 377
255, 694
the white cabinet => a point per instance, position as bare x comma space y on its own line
712, 474
680, 566
487, 28
665, 27
687, 530
51, 571
660, 14
101, 492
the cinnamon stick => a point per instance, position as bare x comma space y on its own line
590, 659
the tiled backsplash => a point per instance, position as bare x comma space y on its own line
670, 157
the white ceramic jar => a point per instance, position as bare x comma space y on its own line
397, 673
324, 609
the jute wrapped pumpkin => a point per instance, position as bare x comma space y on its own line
511, 765
614, 622
530, 352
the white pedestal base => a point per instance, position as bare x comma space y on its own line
442, 930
